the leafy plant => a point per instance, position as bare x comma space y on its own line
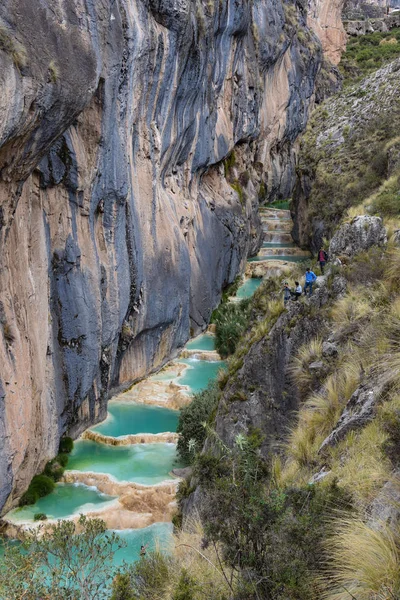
191, 422
62, 562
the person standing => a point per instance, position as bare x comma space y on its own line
287, 294
322, 258
310, 278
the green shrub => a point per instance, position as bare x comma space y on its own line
387, 201
62, 459
29, 497
231, 320
42, 485
66, 445
40, 517
122, 587
186, 588
146, 580
369, 52
190, 427
276, 536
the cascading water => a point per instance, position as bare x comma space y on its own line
122, 470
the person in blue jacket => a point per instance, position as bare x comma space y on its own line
310, 278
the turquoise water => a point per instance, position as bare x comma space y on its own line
285, 258
67, 499
126, 418
202, 342
199, 373
278, 245
159, 534
147, 464
248, 288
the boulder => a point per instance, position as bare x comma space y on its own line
329, 350
361, 233
359, 411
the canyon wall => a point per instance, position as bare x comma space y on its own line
325, 19
136, 137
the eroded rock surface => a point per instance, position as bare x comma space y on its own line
361, 233
118, 226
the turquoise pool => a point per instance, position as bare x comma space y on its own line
125, 418
248, 288
147, 464
66, 500
199, 373
202, 342
285, 258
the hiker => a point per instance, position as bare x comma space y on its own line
143, 550
322, 258
298, 290
287, 294
310, 278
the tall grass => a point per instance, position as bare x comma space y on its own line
364, 563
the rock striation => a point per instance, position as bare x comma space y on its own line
135, 139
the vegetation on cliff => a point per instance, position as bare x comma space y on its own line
350, 154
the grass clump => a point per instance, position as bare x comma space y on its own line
192, 419
387, 201
303, 376
364, 562
10, 45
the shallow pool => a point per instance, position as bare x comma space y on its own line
66, 500
157, 535
125, 418
278, 245
284, 258
202, 342
147, 464
199, 373
248, 288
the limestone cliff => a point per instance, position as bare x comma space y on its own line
325, 18
118, 227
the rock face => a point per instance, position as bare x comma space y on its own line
118, 227
262, 394
360, 234
343, 139
359, 411
365, 26
325, 18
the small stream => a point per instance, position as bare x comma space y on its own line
122, 469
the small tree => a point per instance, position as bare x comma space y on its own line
64, 562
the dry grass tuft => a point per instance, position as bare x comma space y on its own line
299, 369
364, 563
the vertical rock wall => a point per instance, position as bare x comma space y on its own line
119, 225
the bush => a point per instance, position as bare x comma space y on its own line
40, 517
186, 587
62, 459
267, 535
42, 485
231, 320
366, 53
387, 200
190, 427
66, 445
29, 497
146, 580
